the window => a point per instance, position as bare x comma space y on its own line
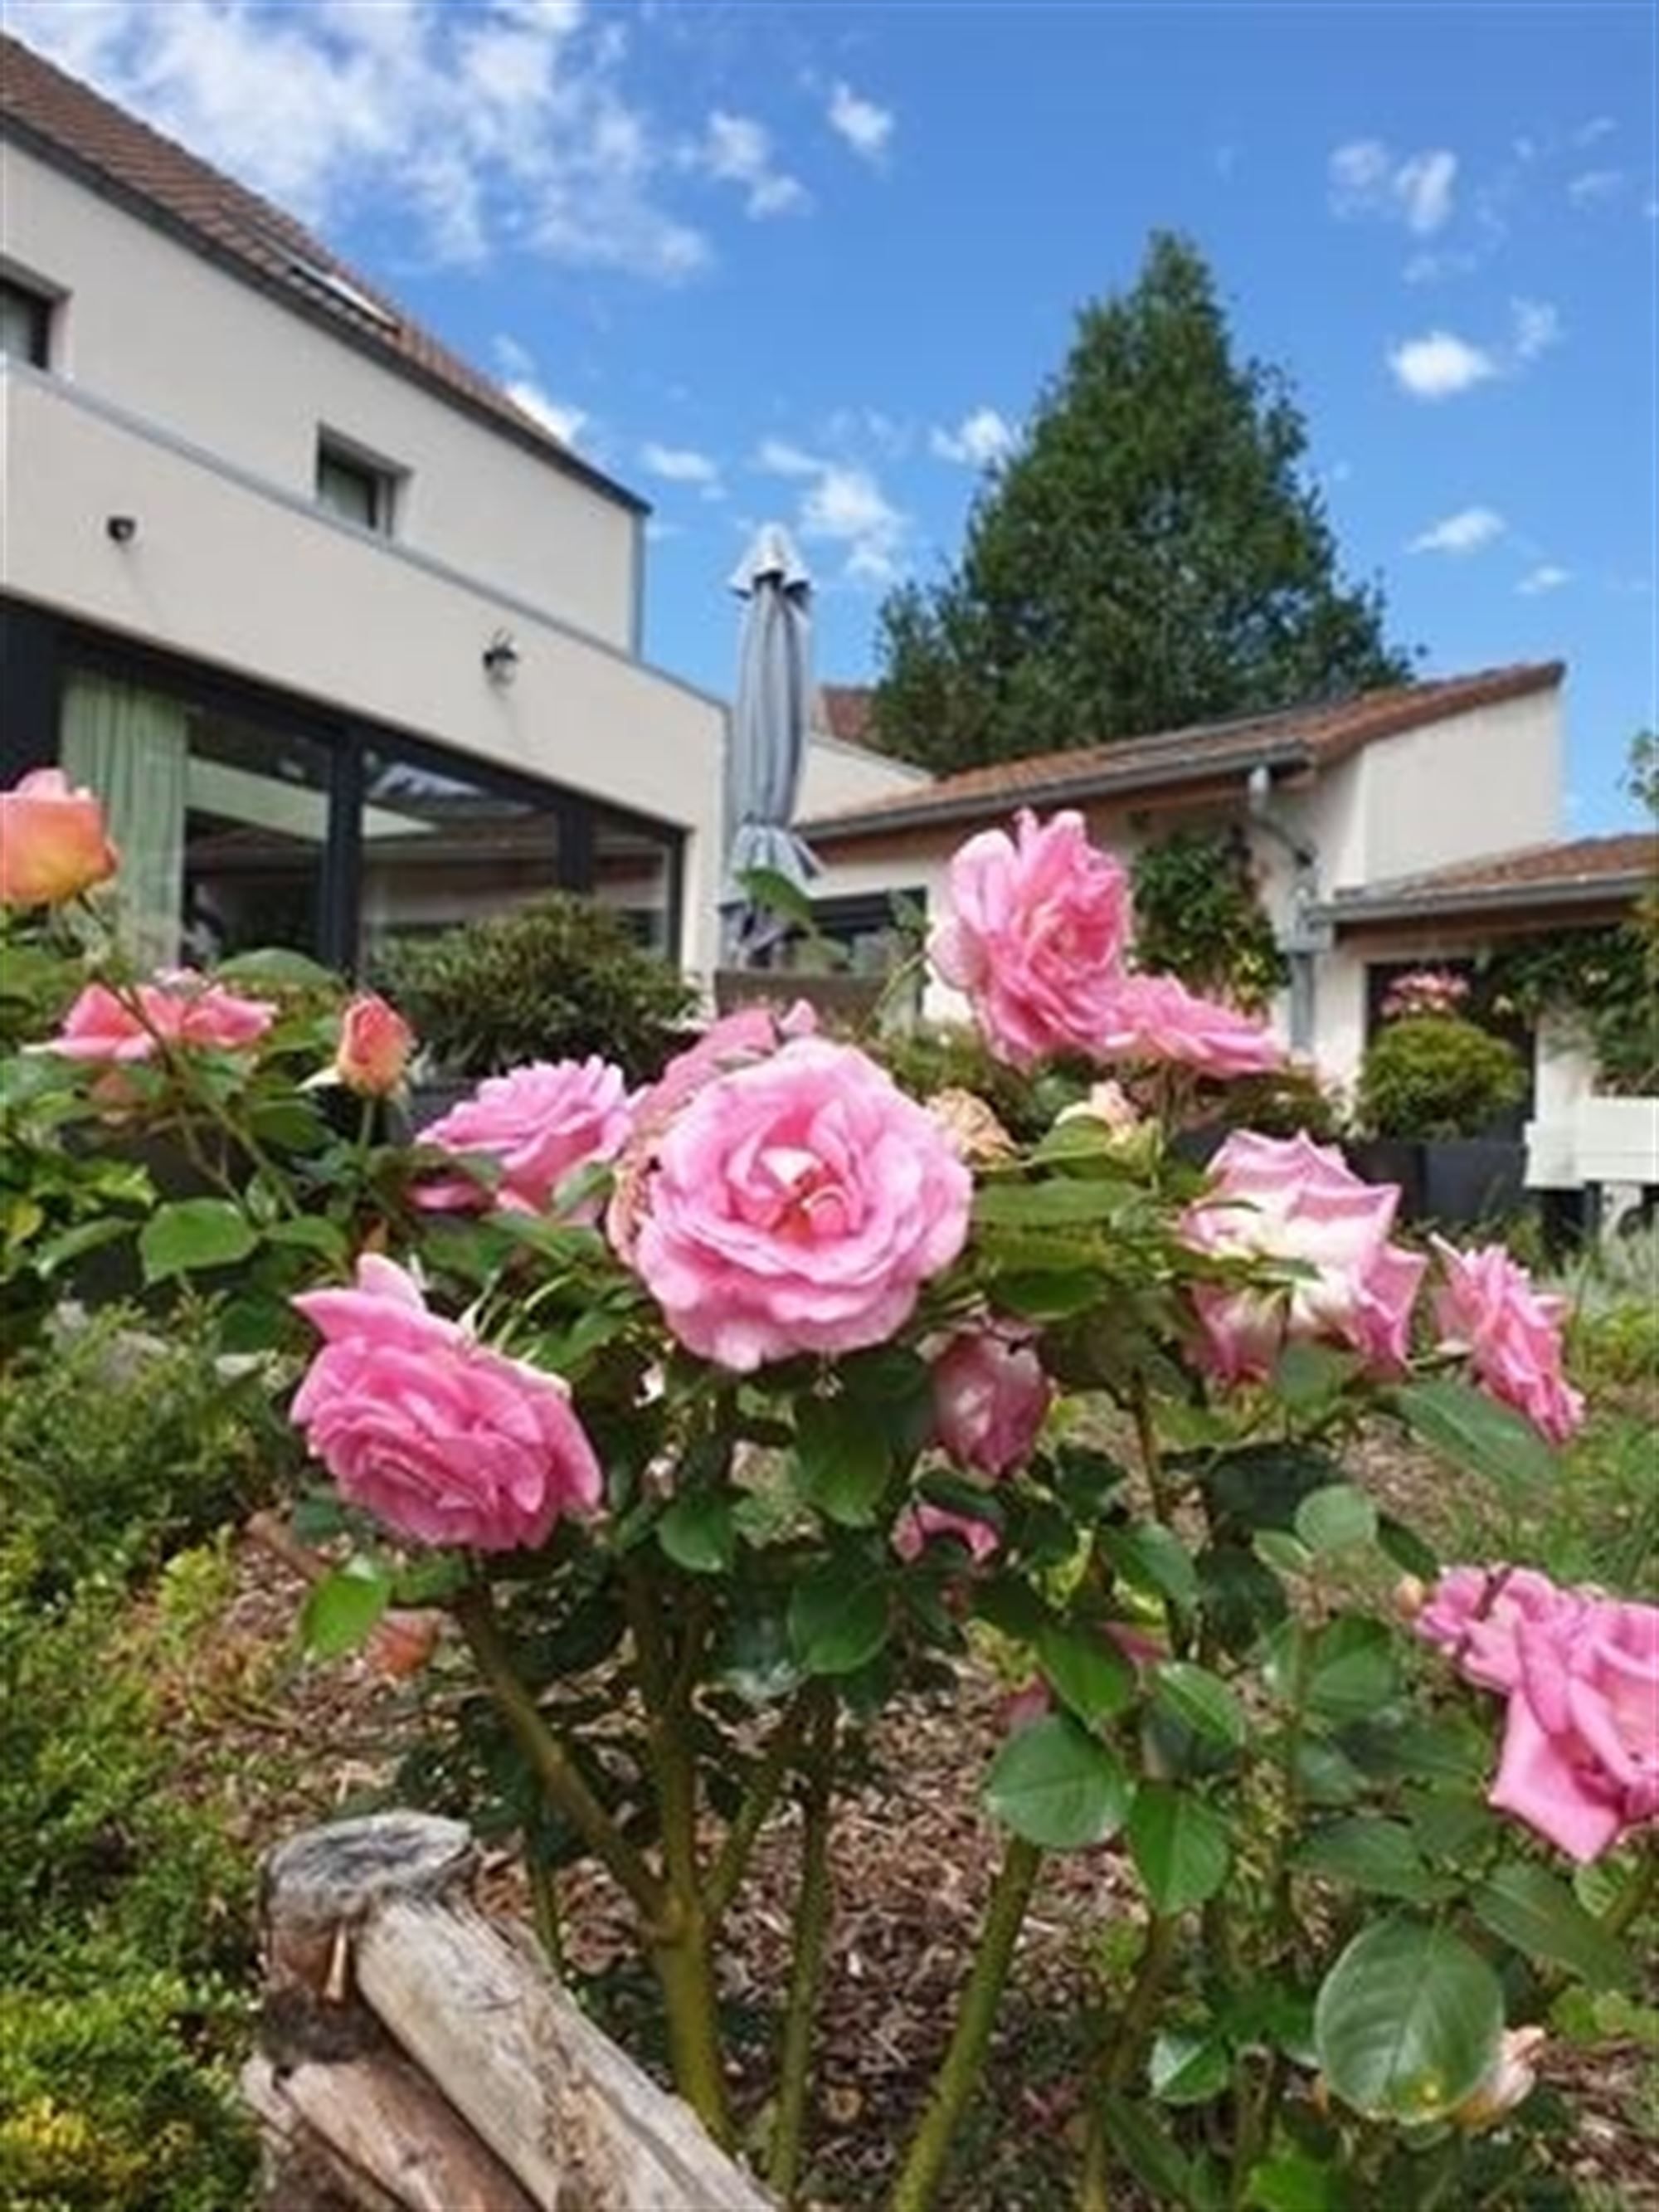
438, 849
357, 489
25, 324
634, 872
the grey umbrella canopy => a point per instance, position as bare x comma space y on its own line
767, 751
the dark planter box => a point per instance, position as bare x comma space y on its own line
1458, 1183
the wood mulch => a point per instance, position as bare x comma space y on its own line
277, 1745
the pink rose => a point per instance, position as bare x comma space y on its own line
1157, 1017
1287, 1198
1487, 1308
918, 1525
541, 1122
990, 1400
1580, 1762
1036, 937
375, 1042
53, 841
443, 1440
179, 1009
737, 1040
798, 1206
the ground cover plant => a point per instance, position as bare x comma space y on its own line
711, 1423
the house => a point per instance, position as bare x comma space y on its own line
347, 641
1357, 816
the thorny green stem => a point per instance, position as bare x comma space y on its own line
810, 1931
551, 1764
757, 1802
1121, 2055
1636, 1894
958, 2074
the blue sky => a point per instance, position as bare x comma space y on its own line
813, 262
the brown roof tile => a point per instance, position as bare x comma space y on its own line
846, 709
1296, 737
67, 122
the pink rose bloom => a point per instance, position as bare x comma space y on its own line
52, 841
990, 1400
1157, 1017
1487, 1308
798, 1206
737, 1040
1581, 1745
918, 1525
375, 1042
1473, 1614
542, 1123
180, 1008
1287, 1198
441, 1439
1036, 937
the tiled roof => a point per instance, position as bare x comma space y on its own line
846, 710
1307, 737
66, 123
1583, 870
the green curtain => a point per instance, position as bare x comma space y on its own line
131, 747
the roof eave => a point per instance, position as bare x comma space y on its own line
1498, 898
139, 204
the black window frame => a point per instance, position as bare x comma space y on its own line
41, 307
383, 480
40, 649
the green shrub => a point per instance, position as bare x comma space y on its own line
1199, 915
558, 979
1434, 1075
1280, 1104
117, 1446
935, 1056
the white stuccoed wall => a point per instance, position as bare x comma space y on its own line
161, 330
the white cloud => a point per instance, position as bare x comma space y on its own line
738, 150
1430, 265
1598, 127
682, 465
507, 122
866, 128
1366, 179
1468, 530
979, 439
516, 364
841, 504
1547, 577
1439, 365
1537, 327
1595, 187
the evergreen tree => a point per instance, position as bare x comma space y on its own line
1151, 557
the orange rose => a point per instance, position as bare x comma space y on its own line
375, 1042
53, 841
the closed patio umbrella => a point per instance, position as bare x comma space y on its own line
766, 749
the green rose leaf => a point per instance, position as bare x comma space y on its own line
1466, 1427
1407, 2022
311, 1232
1537, 1912
1337, 1518
1054, 1784
1294, 2181
1189, 2067
1066, 1202
845, 1458
1376, 1855
1202, 1702
1180, 1846
1152, 1560
341, 1609
192, 1233
1086, 1670
1353, 1674
698, 1532
839, 1618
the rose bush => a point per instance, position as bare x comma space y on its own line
845, 1396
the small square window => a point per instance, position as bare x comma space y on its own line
355, 489
25, 324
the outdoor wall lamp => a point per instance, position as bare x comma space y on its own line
123, 528
501, 658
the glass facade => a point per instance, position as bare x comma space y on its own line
439, 848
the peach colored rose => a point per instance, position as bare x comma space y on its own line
1509, 2082
180, 1009
918, 1525
1155, 1017
541, 1123
1288, 1199
52, 841
1487, 1308
990, 1400
1036, 936
1109, 1104
441, 1439
375, 1042
798, 1205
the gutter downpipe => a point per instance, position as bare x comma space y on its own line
1308, 935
